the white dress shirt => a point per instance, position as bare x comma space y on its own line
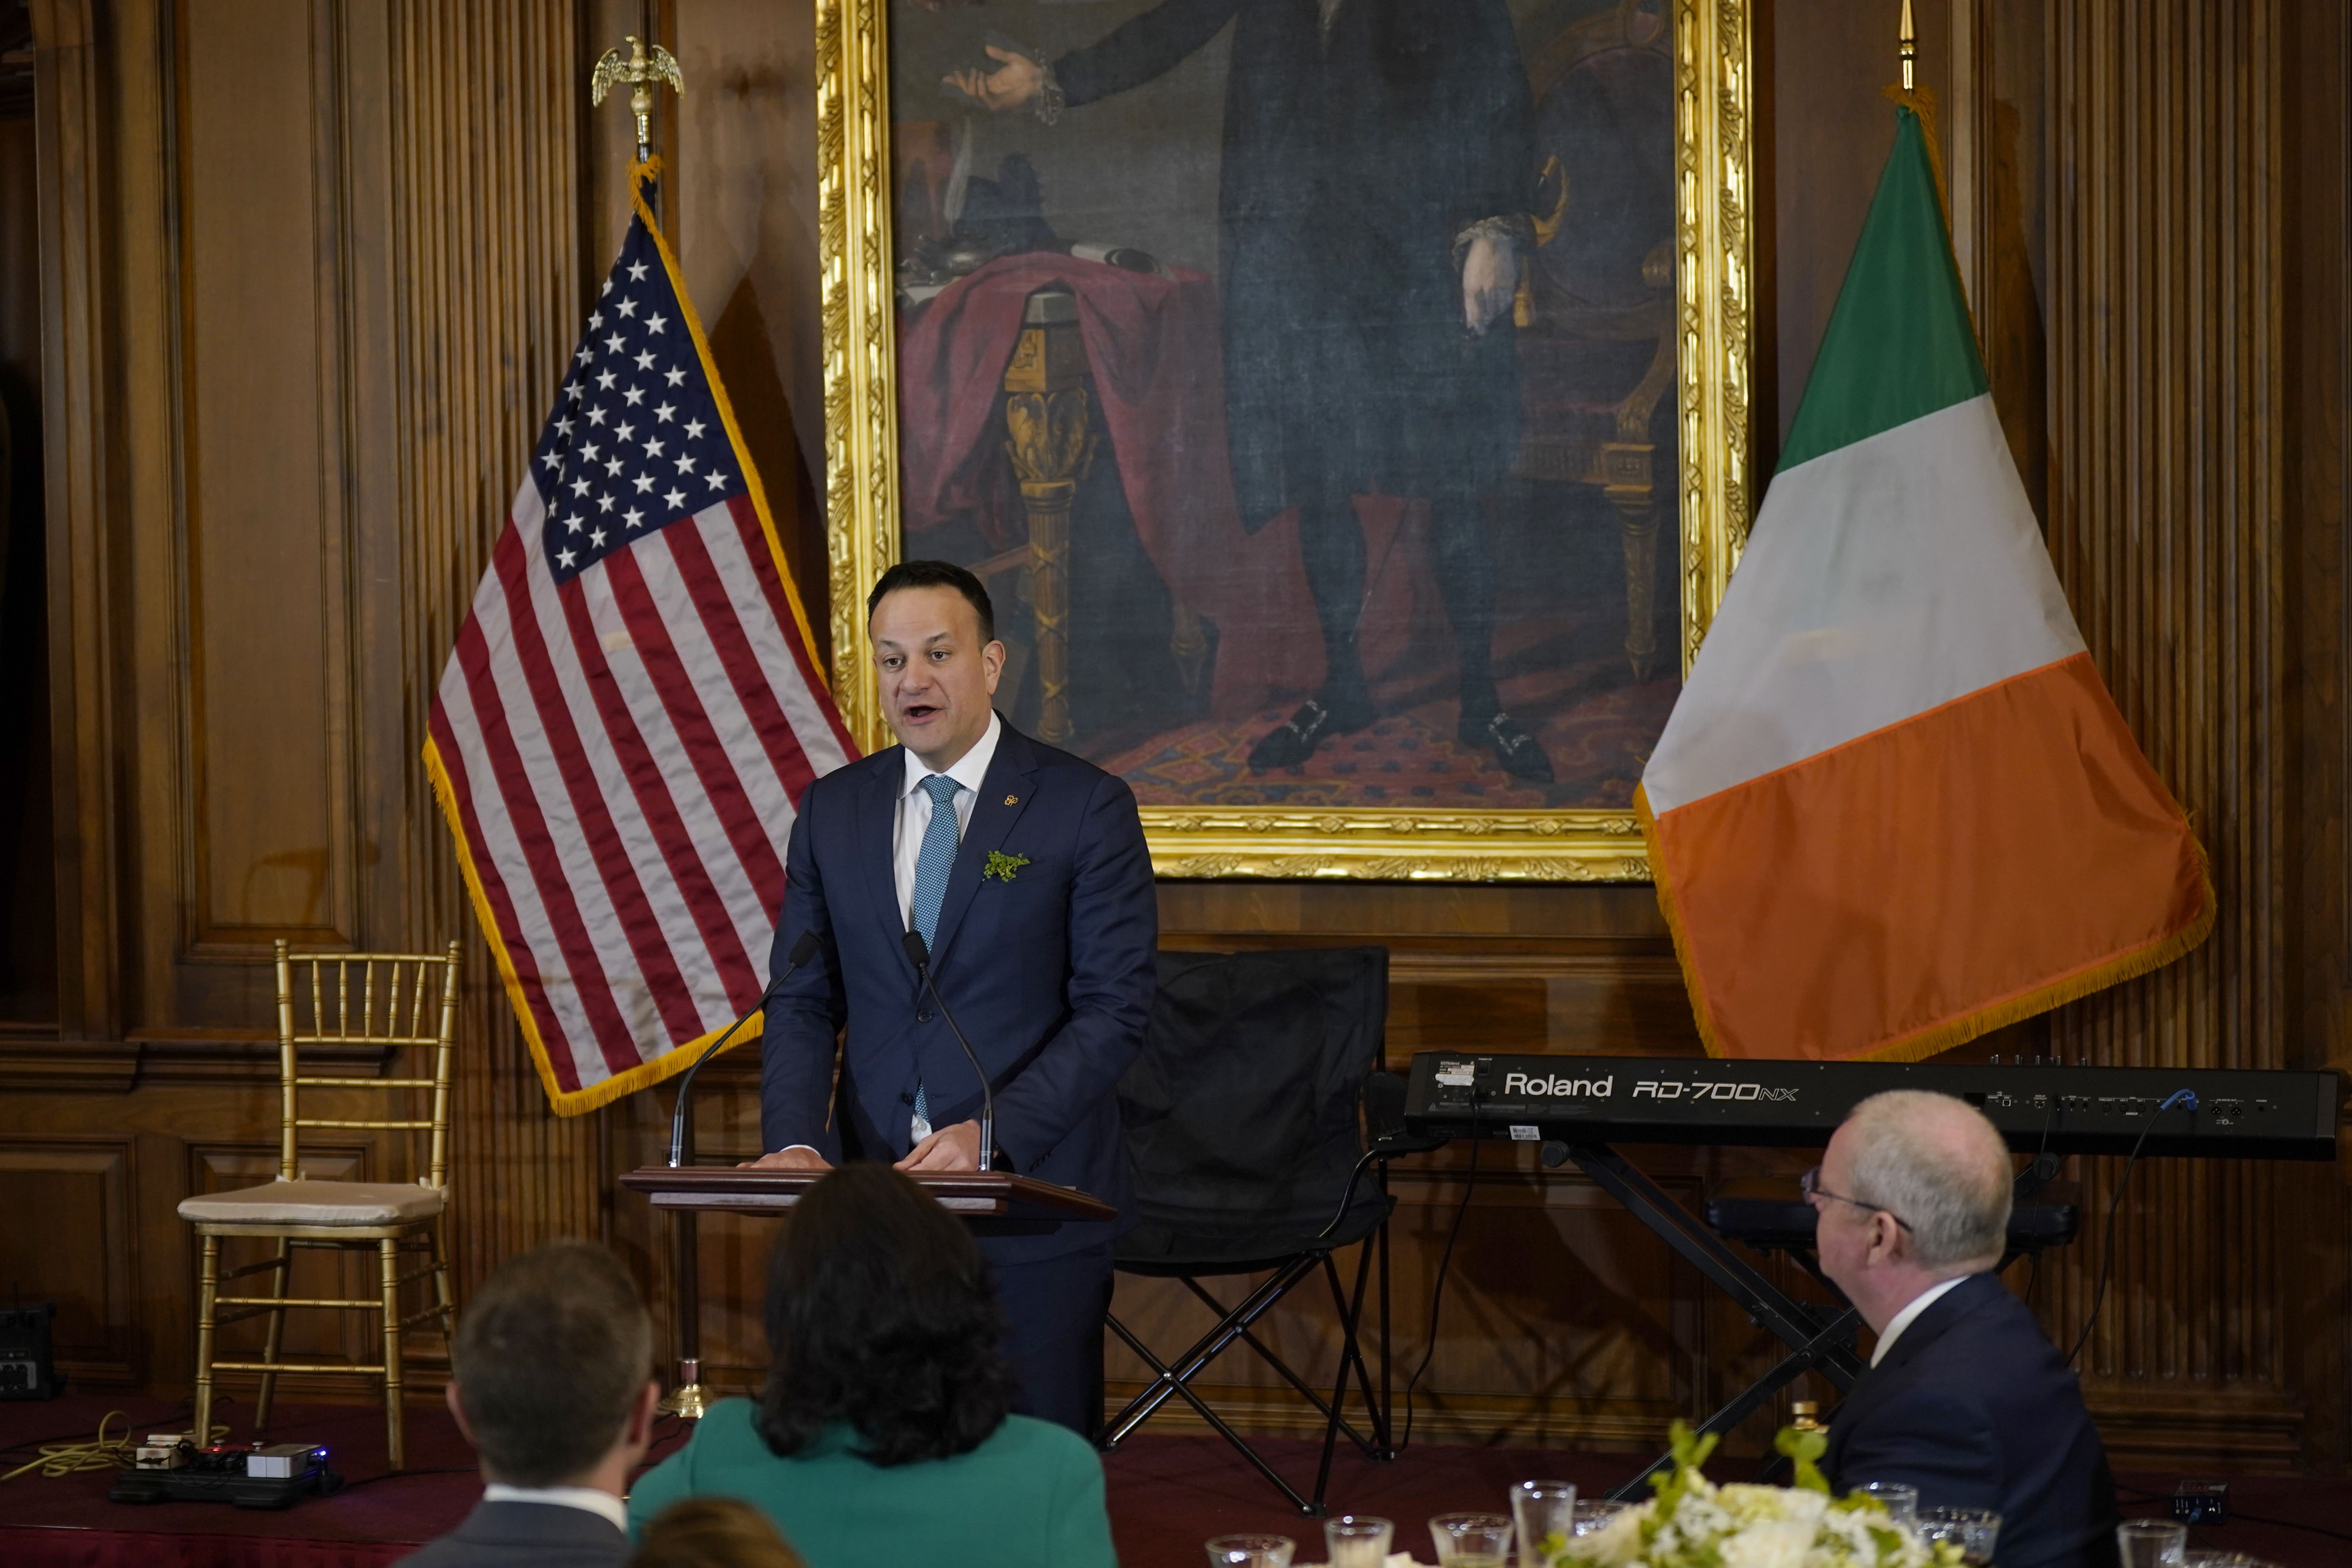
1903, 1320
588, 1499
970, 773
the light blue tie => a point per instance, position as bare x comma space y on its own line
934, 859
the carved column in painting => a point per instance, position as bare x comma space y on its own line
1626, 479
1046, 409
2168, 529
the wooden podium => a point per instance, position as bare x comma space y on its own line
985, 1200
975, 1197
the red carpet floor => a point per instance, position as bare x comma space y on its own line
1167, 1496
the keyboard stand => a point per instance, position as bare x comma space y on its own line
1818, 1340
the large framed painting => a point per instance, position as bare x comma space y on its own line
1345, 401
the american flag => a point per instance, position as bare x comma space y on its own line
631, 712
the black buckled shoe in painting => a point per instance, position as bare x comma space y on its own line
1513, 747
1294, 740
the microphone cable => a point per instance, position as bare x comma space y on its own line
1445, 1263
2142, 1494
2184, 1098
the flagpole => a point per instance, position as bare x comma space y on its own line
1906, 49
642, 67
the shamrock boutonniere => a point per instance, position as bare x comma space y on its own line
1002, 867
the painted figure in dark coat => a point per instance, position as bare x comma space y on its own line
1377, 168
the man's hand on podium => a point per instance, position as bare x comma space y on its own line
953, 1148
799, 1157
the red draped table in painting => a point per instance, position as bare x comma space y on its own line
988, 369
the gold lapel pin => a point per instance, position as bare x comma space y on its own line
1013, 800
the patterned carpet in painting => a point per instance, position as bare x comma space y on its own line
1598, 741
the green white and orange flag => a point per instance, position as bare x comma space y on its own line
1895, 806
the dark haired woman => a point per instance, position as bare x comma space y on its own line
883, 1435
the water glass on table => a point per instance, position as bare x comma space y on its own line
1543, 1515
1595, 1514
2152, 1543
1251, 1551
1358, 1541
1900, 1501
1472, 1540
1972, 1530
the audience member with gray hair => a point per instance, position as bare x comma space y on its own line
1966, 1399
552, 1382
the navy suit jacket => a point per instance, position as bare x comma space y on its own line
1051, 973
525, 1535
1976, 1409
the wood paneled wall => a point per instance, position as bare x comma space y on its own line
2169, 527
309, 266
485, 115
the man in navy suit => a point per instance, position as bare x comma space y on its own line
548, 1381
1965, 1399
1025, 871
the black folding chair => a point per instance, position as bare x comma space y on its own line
1243, 1122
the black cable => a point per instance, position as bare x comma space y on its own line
2107, 1248
2289, 1524
1437, 1291
2142, 1494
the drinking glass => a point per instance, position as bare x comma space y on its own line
1544, 1519
2152, 1543
1972, 1530
1596, 1514
1901, 1502
1472, 1540
1251, 1551
1358, 1541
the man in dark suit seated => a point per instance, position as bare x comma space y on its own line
549, 1384
1965, 1399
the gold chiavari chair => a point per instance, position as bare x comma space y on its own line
402, 1221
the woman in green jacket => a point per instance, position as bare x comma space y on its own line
884, 1433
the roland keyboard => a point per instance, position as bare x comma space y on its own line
2238, 1114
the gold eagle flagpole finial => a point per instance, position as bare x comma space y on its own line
644, 66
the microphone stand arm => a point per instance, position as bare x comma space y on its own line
803, 950
987, 1094
679, 1118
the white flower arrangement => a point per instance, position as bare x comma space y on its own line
1694, 1523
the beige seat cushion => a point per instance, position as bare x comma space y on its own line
316, 1203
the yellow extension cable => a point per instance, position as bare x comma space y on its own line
101, 1454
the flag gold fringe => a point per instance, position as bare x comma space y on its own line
565, 1102
574, 1102
2096, 975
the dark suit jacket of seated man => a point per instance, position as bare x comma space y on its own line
1046, 961
549, 1382
1973, 1405
1966, 1399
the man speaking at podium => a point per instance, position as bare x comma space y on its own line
1023, 871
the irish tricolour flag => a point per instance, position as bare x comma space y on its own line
1895, 806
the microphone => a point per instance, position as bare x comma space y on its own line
919, 953
803, 950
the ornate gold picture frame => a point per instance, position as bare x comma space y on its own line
1711, 312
